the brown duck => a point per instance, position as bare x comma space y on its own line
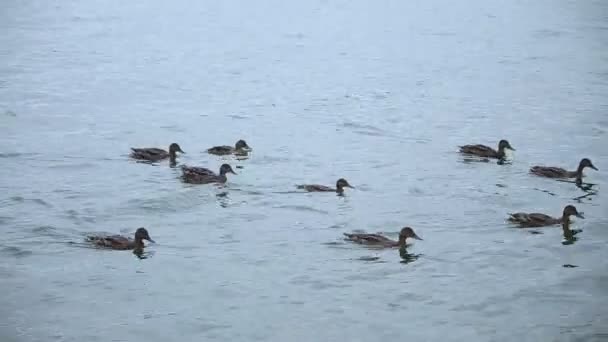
121, 242
528, 220
381, 240
156, 154
239, 148
486, 151
201, 175
558, 172
340, 185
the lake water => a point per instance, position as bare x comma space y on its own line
380, 93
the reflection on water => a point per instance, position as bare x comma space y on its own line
406, 257
141, 253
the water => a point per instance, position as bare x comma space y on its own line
379, 93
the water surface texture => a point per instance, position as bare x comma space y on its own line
380, 93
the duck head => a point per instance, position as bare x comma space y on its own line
225, 168
242, 145
142, 234
408, 232
570, 210
175, 148
504, 144
342, 183
586, 162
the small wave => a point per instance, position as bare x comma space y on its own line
10, 155
364, 129
15, 251
302, 208
46, 231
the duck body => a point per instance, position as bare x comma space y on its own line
201, 175
239, 148
552, 172
371, 239
533, 219
529, 220
154, 154
316, 188
486, 151
120, 242
558, 172
381, 240
340, 185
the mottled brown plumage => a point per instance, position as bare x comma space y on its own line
120, 242
340, 185
527, 220
201, 175
486, 151
558, 172
154, 154
239, 148
381, 240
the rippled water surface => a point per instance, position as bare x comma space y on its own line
380, 93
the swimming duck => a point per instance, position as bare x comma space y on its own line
121, 242
486, 151
381, 240
155, 154
527, 220
201, 175
558, 172
340, 185
240, 147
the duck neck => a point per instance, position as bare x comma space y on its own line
501, 152
138, 243
579, 173
402, 241
565, 220
340, 190
172, 157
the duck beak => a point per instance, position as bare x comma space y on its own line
510, 148
149, 239
593, 167
232, 171
417, 237
579, 215
349, 186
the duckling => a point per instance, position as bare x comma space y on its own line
155, 154
240, 147
201, 175
558, 172
340, 185
486, 151
528, 220
121, 242
381, 240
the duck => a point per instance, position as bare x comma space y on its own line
528, 220
486, 151
154, 154
239, 148
340, 185
201, 175
120, 242
381, 240
558, 172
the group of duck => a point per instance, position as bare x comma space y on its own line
201, 175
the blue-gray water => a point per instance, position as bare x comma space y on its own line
380, 93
